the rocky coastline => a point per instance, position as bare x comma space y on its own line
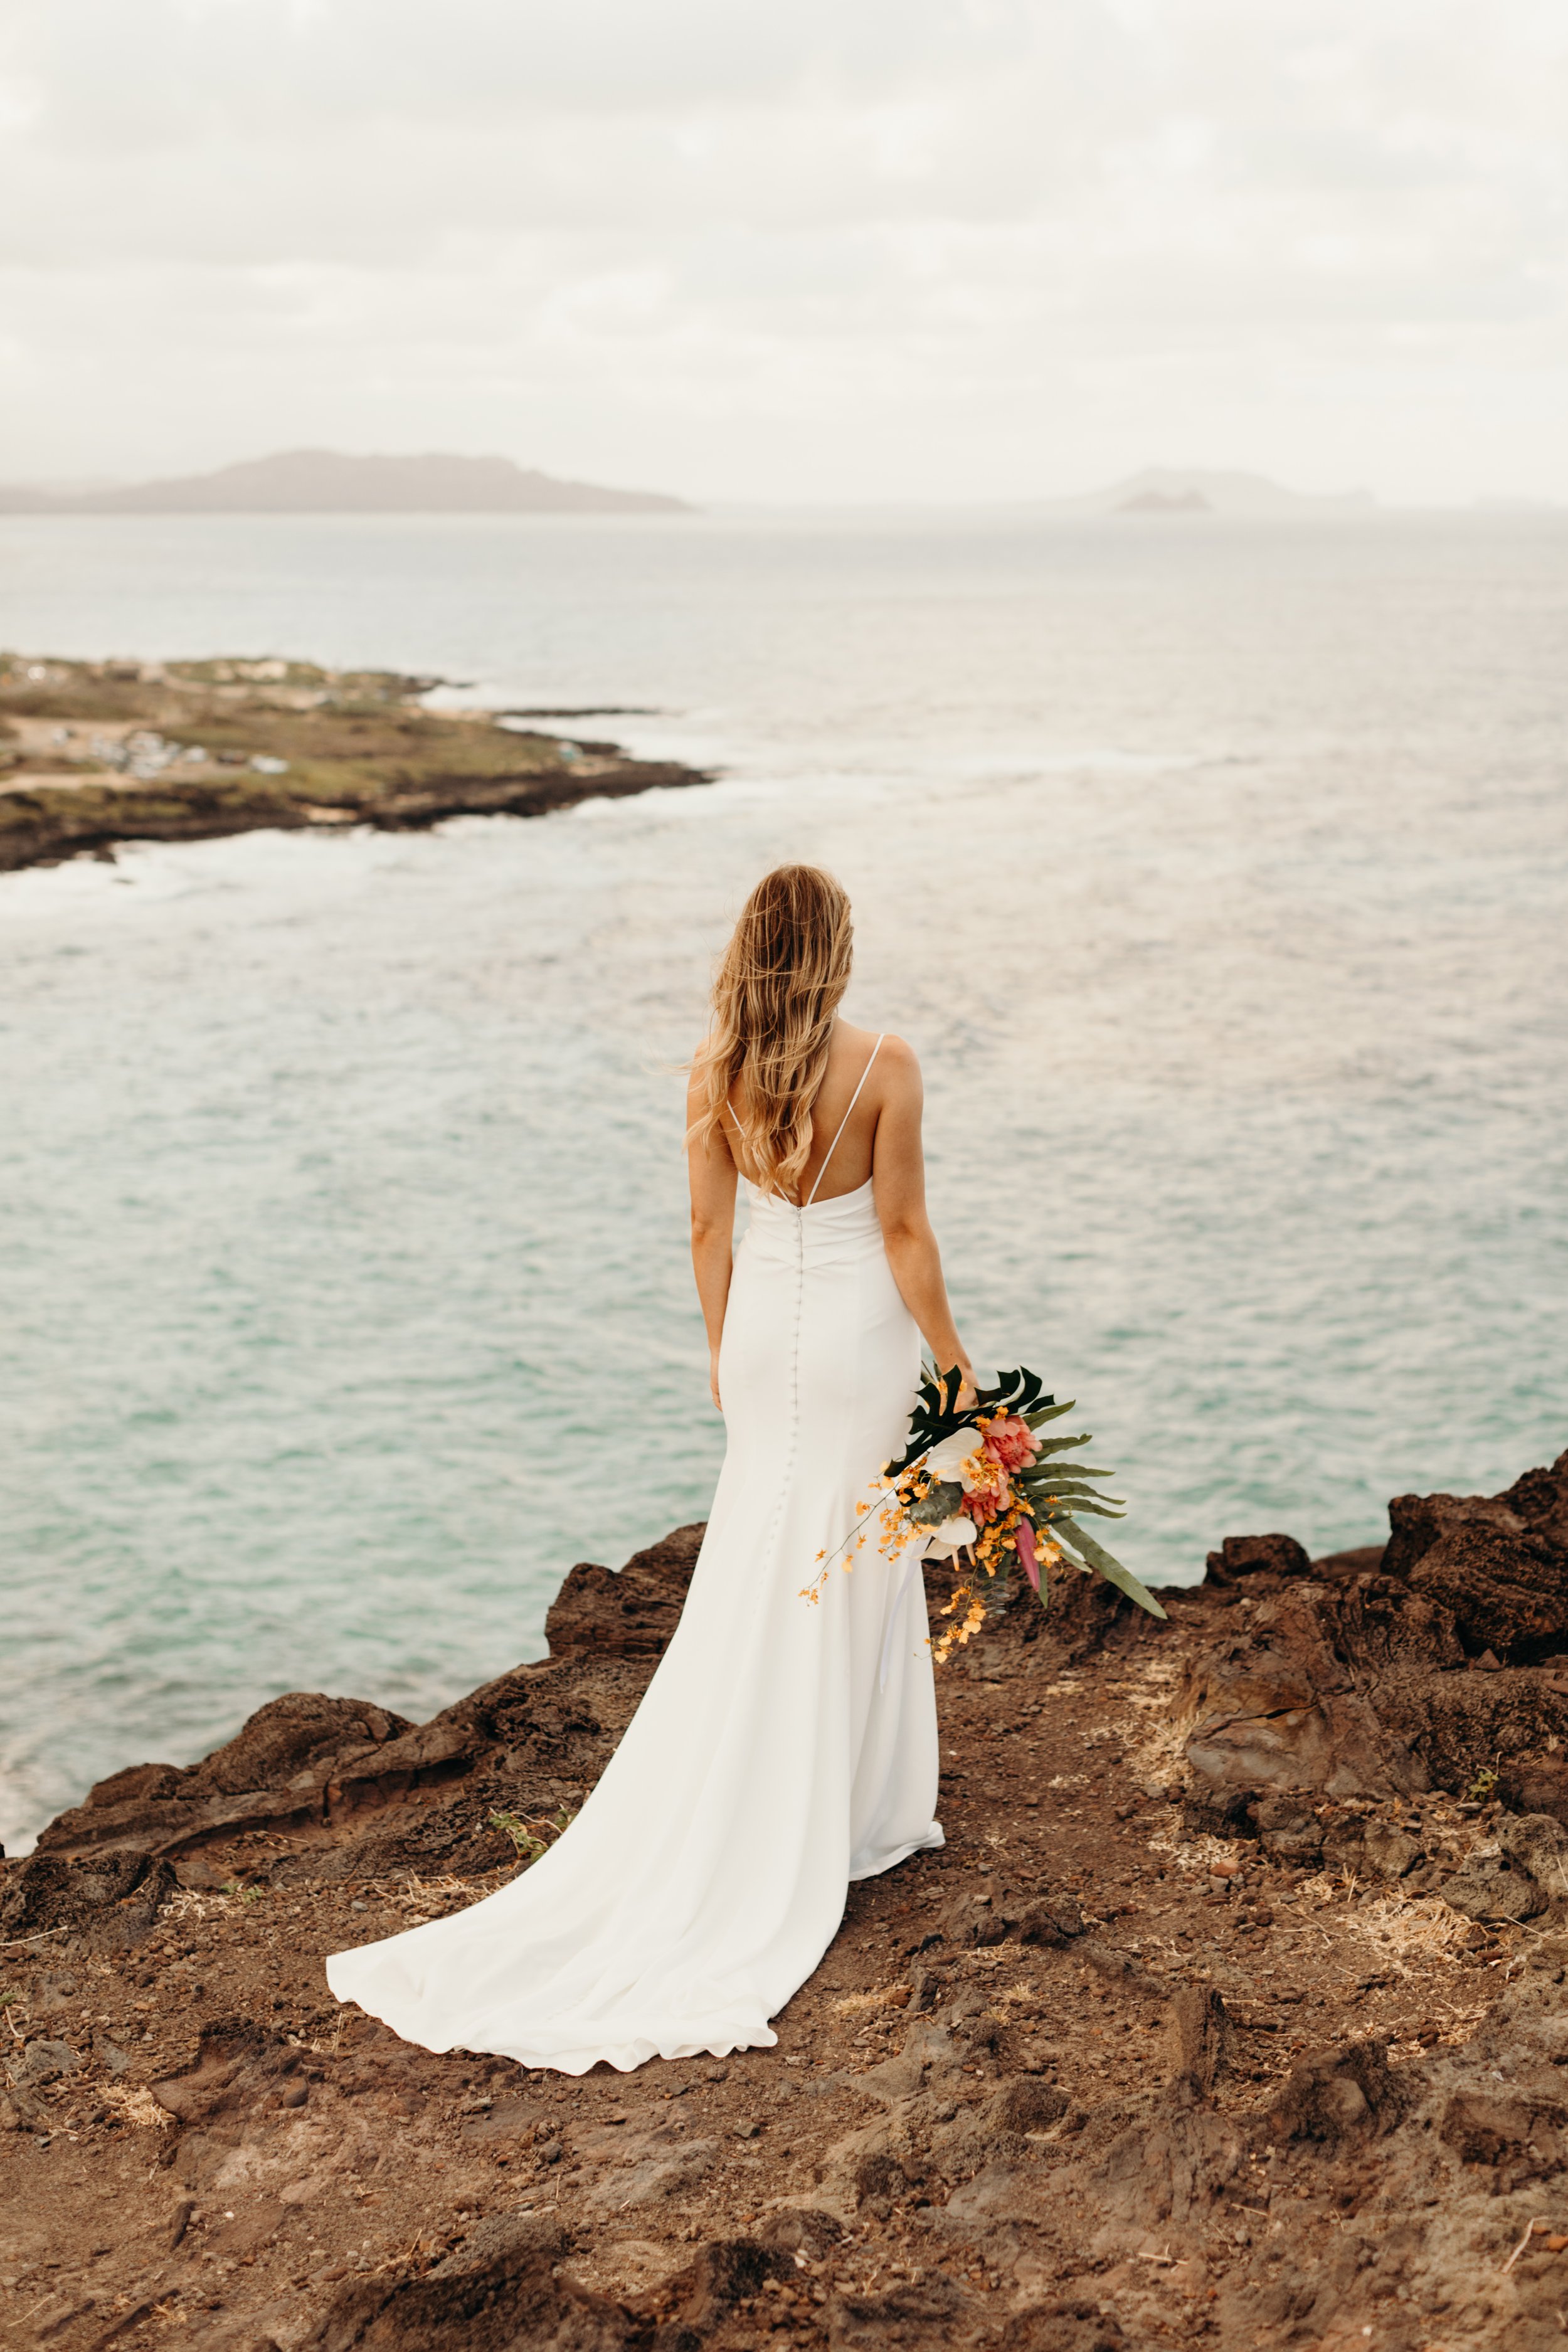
1234, 2012
95, 754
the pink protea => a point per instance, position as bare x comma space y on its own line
1012, 1442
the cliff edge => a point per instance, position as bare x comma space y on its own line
1234, 2013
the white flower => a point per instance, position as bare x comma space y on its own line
952, 1535
946, 1461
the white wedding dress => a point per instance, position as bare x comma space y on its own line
781, 1749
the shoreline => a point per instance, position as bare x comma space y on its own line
1234, 2010
95, 754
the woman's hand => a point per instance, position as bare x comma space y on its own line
713, 1380
967, 1392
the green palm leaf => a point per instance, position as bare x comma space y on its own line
1094, 1555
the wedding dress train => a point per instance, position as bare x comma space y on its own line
781, 1750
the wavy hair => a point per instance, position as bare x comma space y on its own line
776, 995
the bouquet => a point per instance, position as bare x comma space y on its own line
986, 1490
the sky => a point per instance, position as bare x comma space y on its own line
835, 250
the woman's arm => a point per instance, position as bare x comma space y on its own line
712, 1175
898, 1186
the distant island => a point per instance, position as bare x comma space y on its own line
1198, 490
1165, 502
324, 481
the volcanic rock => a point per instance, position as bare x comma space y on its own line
1487, 2127
1287, 1826
1278, 1706
1341, 2098
1248, 1556
1278, 2066
628, 1614
1498, 1564
1203, 2032
1049, 1919
1535, 1784
503, 2288
1537, 1843
1351, 1680
115, 1898
1491, 1888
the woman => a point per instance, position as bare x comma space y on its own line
782, 1749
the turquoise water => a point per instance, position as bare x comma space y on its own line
1218, 877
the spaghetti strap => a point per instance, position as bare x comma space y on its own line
845, 1120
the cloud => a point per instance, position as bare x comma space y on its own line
1053, 237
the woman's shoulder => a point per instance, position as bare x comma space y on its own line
893, 1052
894, 1063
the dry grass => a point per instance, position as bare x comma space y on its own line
1159, 1753
418, 1899
1023, 1995
1196, 1853
871, 2004
1405, 1934
1159, 1758
134, 2103
988, 1957
423, 1899
207, 1904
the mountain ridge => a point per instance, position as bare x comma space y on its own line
327, 481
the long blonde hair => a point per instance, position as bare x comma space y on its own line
776, 995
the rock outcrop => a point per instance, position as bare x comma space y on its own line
93, 754
627, 1613
1234, 2012
1432, 1665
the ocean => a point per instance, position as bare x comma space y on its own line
1218, 874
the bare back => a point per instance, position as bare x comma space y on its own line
844, 1120
866, 1129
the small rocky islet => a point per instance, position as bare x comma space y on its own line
95, 754
1234, 2012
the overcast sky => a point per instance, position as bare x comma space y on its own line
811, 249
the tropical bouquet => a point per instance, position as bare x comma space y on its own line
987, 1492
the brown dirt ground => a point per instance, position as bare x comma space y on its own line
1056, 2143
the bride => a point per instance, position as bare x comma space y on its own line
781, 1749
